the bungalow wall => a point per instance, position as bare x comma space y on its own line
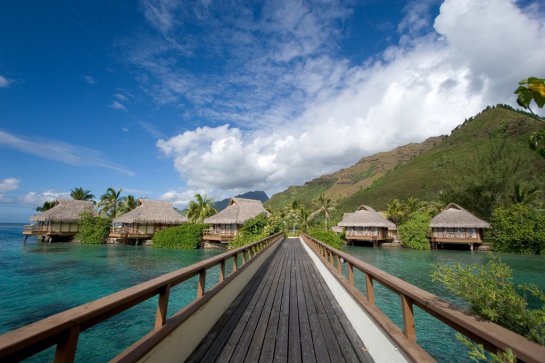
366, 233
443, 234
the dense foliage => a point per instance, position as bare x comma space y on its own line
414, 232
93, 229
489, 293
519, 228
257, 228
186, 236
328, 237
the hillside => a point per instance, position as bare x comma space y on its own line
345, 182
425, 170
258, 195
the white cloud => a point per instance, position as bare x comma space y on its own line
319, 113
9, 184
180, 199
120, 96
4, 82
90, 79
151, 129
38, 198
59, 151
116, 105
124, 129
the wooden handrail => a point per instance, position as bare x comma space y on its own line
63, 329
492, 336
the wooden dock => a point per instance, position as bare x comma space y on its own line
286, 313
284, 299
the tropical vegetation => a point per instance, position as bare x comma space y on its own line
327, 237
519, 228
200, 209
46, 206
490, 293
110, 202
255, 229
414, 232
93, 229
186, 236
80, 194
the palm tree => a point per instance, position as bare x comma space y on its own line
47, 205
200, 208
80, 194
110, 202
396, 211
128, 203
524, 194
325, 206
304, 218
413, 205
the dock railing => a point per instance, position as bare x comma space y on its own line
493, 337
63, 329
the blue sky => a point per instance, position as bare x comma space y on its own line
168, 98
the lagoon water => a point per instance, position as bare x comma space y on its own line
39, 279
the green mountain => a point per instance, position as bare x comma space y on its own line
494, 143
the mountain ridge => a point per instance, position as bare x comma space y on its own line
420, 170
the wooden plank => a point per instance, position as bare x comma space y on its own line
319, 342
307, 345
214, 338
294, 342
231, 343
267, 352
408, 318
213, 344
346, 333
257, 341
327, 330
281, 343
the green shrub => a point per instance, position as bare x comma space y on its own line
414, 232
519, 228
244, 239
93, 229
489, 292
328, 237
255, 225
184, 237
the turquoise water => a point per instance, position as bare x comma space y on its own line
38, 280
416, 267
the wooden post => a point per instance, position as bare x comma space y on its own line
202, 282
408, 318
66, 347
350, 274
243, 257
162, 307
339, 268
222, 270
235, 261
370, 288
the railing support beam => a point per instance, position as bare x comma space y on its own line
408, 318
66, 347
162, 307
370, 288
202, 282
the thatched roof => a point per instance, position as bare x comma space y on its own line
238, 211
454, 216
365, 216
66, 210
152, 212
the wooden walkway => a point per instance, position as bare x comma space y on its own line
286, 313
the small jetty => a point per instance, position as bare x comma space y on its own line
277, 299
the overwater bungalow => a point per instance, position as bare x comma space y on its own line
59, 222
367, 225
142, 222
457, 226
226, 224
